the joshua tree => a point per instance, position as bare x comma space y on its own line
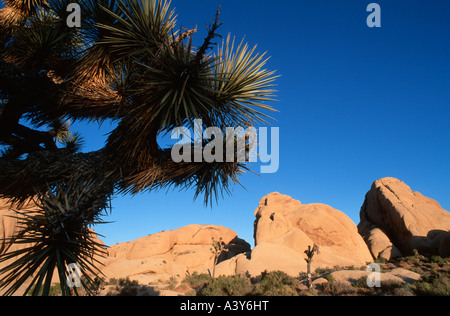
127, 63
217, 248
310, 254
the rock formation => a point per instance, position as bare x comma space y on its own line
396, 220
283, 230
171, 253
8, 227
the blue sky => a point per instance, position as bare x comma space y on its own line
356, 104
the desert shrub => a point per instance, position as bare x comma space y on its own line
336, 288
439, 260
380, 260
113, 281
323, 270
127, 282
432, 284
196, 280
403, 291
360, 283
128, 291
172, 283
235, 285
276, 283
391, 287
329, 277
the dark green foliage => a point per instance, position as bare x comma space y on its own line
227, 286
432, 284
276, 283
196, 280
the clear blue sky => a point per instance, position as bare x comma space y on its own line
356, 104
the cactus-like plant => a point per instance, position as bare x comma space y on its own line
310, 254
217, 248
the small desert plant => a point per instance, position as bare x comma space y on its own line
235, 285
172, 283
329, 278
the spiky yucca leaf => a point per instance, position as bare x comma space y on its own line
141, 25
73, 142
242, 84
176, 89
58, 233
26, 6
44, 43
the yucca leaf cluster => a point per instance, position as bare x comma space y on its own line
53, 235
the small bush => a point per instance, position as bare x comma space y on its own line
360, 283
329, 277
235, 285
336, 288
403, 291
128, 291
276, 283
127, 282
323, 270
113, 281
439, 260
196, 280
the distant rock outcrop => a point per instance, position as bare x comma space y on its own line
283, 230
171, 253
396, 220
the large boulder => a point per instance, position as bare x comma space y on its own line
396, 220
171, 253
9, 228
283, 230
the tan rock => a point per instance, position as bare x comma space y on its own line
380, 245
409, 219
348, 277
8, 226
407, 276
284, 228
160, 256
272, 257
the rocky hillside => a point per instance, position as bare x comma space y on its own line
394, 222
171, 254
